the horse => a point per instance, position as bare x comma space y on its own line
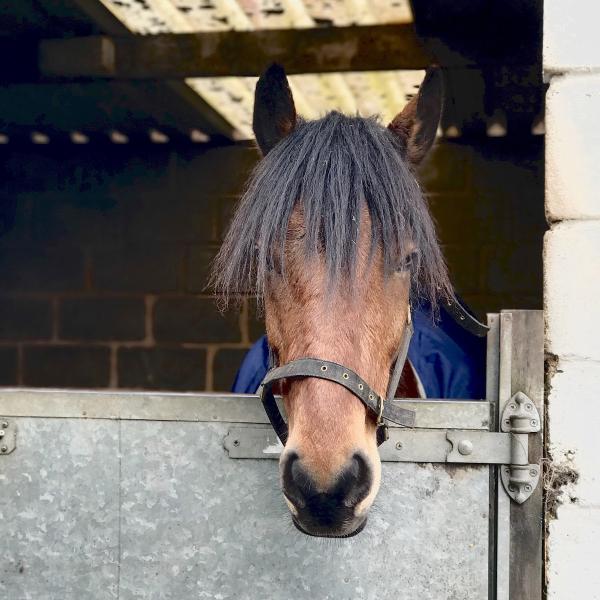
334, 238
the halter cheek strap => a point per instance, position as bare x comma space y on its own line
400, 357
331, 371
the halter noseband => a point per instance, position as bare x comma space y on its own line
380, 407
346, 377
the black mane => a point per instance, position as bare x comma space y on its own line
332, 166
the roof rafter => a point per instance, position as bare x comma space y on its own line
235, 53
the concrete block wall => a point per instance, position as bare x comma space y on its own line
572, 287
105, 252
487, 200
104, 257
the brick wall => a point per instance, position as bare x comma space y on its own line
104, 256
488, 202
572, 288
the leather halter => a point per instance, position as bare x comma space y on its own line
382, 408
346, 377
465, 319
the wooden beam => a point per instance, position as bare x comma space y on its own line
234, 53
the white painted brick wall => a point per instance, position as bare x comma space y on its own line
573, 571
573, 147
571, 36
574, 404
572, 288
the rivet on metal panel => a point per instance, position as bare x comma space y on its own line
465, 447
398, 445
8, 435
236, 442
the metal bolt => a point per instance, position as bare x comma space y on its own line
398, 445
513, 406
507, 421
4, 449
4, 424
527, 488
528, 406
2, 432
511, 488
465, 447
533, 422
236, 442
533, 472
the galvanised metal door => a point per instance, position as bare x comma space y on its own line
140, 495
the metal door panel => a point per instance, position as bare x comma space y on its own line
195, 523
187, 521
59, 511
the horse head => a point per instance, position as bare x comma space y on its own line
334, 235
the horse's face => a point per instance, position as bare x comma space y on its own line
336, 197
330, 468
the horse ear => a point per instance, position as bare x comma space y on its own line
417, 124
274, 110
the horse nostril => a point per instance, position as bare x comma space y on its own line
295, 481
356, 481
349, 488
328, 510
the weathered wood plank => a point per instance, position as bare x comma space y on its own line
526, 520
235, 53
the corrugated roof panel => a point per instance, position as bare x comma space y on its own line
315, 94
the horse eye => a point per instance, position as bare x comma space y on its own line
407, 262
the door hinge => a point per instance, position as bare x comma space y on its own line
8, 436
520, 418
